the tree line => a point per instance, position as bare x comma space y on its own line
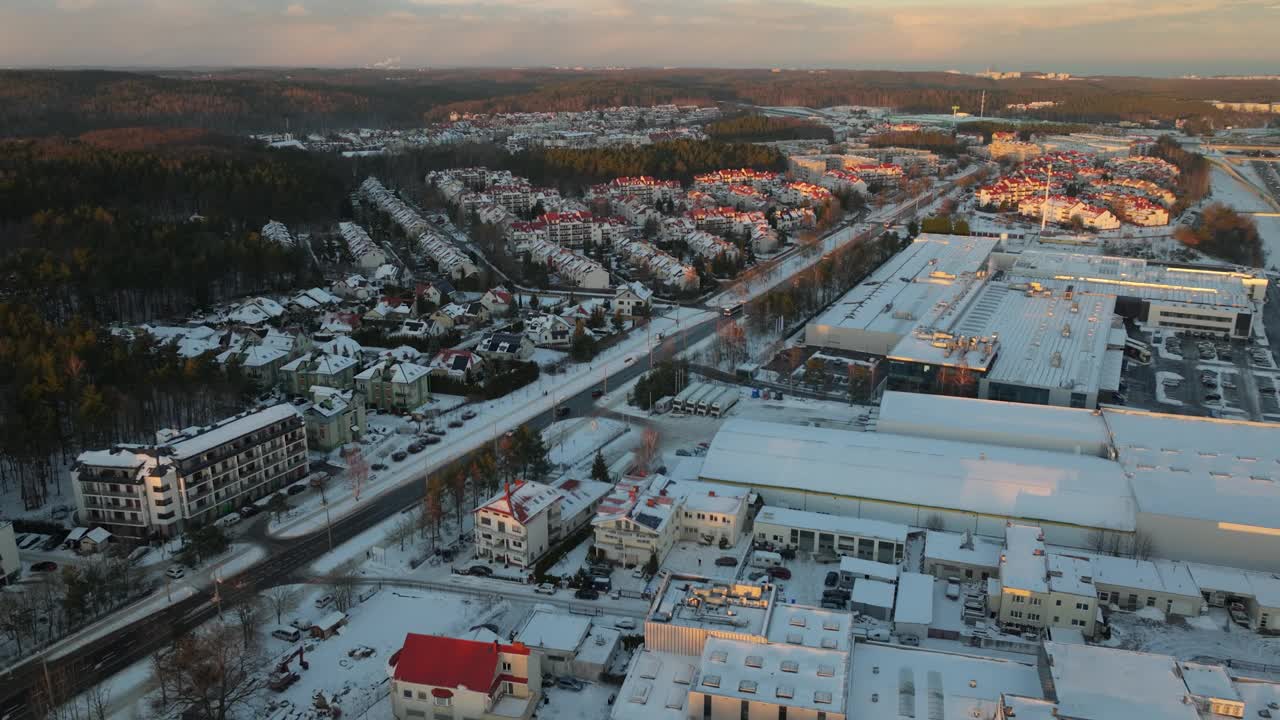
759, 128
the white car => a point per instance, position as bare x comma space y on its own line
545, 589
324, 602
625, 624
175, 572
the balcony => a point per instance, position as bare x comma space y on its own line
108, 493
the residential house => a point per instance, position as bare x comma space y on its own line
334, 371
549, 330
498, 301
334, 419
524, 520
390, 310
633, 299
505, 346
461, 365
391, 385
450, 679
645, 516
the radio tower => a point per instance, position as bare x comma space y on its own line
1044, 207
982, 107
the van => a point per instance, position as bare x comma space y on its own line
287, 634
878, 634
765, 559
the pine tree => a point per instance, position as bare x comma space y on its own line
600, 469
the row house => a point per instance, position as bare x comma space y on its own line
1135, 209
843, 181
711, 246
1061, 209
796, 193
363, 249
318, 369
574, 270
663, 268
1136, 186
276, 232
757, 179
189, 478
394, 386
796, 218
675, 228
635, 210
1142, 166
452, 679
452, 262
876, 172
406, 217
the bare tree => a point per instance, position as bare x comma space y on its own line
403, 531
1114, 544
1143, 546
248, 612
648, 450
96, 701
934, 522
211, 675
281, 599
1097, 541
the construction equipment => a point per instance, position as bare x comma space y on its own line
283, 677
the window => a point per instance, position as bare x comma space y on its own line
408, 694
1082, 606
747, 686
443, 702
1056, 619
486, 520
1019, 599
1058, 602
745, 712
1035, 601
1015, 614
1033, 616
506, 667
782, 709
422, 695
1151, 601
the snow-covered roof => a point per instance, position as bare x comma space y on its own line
229, 430
873, 593
740, 608
342, 345
260, 355
887, 682
840, 524
859, 567
1023, 565
1215, 470
118, 459
554, 630
1044, 427
1025, 708
98, 535
915, 599
1107, 684
400, 372
321, 364
657, 687
1070, 575
576, 495
1209, 681
809, 626
966, 548
523, 500
783, 675
1023, 484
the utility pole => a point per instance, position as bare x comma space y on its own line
328, 524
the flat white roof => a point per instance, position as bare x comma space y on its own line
1209, 681
657, 687
230, 430
1134, 573
888, 682
1215, 470
1107, 684
775, 674
809, 626
869, 568
836, 524
949, 547
554, 630
909, 284
873, 593
1023, 566
915, 599
1068, 574
1133, 277
927, 415
990, 479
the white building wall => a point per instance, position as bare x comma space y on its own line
9, 562
1204, 541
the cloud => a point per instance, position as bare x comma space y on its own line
297, 10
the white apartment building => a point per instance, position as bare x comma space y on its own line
526, 519
644, 518
189, 478
311, 369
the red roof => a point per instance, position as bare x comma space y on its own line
450, 662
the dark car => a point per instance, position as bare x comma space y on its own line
399, 455
46, 566
779, 573
468, 414
378, 466
431, 440
727, 561
563, 412
836, 594
415, 448
455, 423
298, 488
480, 570
436, 431
587, 594
831, 579
248, 511
597, 393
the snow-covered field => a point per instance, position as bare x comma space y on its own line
1211, 636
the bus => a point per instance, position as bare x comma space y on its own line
732, 309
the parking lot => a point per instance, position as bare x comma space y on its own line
1207, 377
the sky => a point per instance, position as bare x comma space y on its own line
1149, 37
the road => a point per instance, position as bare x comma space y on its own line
96, 660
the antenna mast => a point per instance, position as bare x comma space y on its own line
982, 108
1044, 207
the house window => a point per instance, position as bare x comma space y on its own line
1151, 601
1035, 601
1019, 598
508, 688
443, 701
408, 694
1058, 602
486, 520
1082, 606
506, 666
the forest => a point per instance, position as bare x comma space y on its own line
758, 128
253, 101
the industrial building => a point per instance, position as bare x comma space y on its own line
957, 315
1177, 487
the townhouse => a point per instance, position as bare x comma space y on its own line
363, 249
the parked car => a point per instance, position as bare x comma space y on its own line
455, 423
625, 624
175, 572
597, 393
438, 432
296, 488
587, 594
683, 453
480, 571
416, 448
726, 561
469, 414
910, 640
545, 589
756, 575
300, 624
229, 520
431, 440
953, 591
878, 634
323, 602
399, 455
570, 684
46, 566
779, 573
563, 412
831, 579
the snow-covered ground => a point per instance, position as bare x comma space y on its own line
570, 442
1211, 636
1162, 394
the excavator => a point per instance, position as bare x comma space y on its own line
283, 677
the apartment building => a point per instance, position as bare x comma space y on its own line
644, 187
1061, 210
797, 193
568, 229
389, 385
452, 679
1038, 590
842, 181
1013, 150
334, 418
318, 369
721, 179
190, 477
644, 517
524, 520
